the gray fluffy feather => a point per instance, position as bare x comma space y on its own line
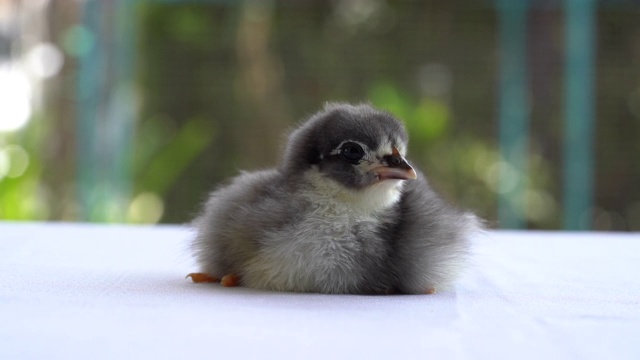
282, 229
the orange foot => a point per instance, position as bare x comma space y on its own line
230, 280
430, 291
202, 278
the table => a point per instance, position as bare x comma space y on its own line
82, 291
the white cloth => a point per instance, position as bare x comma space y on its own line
72, 291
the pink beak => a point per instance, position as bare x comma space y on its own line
397, 168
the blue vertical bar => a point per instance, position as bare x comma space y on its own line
106, 111
513, 112
579, 113
121, 115
88, 108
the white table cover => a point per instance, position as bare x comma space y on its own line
73, 291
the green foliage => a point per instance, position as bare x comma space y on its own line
190, 26
426, 120
168, 154
23, 193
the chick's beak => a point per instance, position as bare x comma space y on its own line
396, 168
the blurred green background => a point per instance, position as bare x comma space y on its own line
527, 112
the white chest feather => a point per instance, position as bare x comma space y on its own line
321, 251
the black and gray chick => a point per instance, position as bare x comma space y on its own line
343, 213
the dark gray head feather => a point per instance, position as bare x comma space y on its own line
312, 143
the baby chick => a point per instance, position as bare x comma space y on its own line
343, 213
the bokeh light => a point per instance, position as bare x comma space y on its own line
15, 92
44, 60
78, 40
5, 163
146, 208
19, 160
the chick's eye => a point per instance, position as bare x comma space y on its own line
352, 152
